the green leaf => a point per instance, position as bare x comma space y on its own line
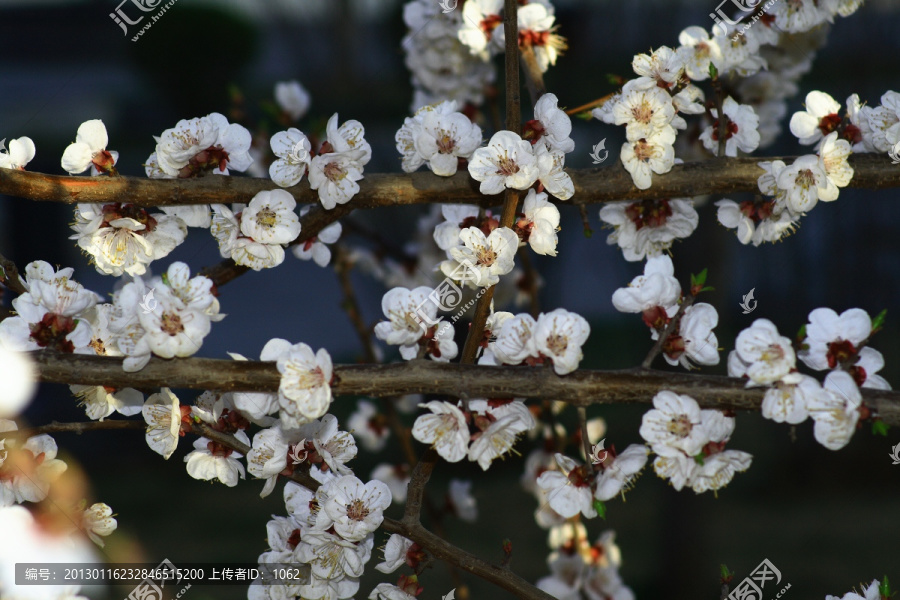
588, 232
801, 335
726, 574
165, 279
878, 321
708, 288
713, 71
699, 280
879, 427
699, 459
587, 115
600, 508
885, 588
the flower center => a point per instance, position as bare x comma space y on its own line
51, 332
357, 510
680, 426
806, 179
643, 151
829, 123
171, 323
486, 256
557, 343
267, 217
334, 171
507, 166
445, 143
642, 113
649, 213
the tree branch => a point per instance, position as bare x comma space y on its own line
580, 388
78, 428
603, 184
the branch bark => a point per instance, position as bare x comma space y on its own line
580, 388
604, 184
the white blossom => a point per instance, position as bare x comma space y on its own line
569, 491
741, 129
445, 429
836, 412
293, 151
442, 139
163, 414
651, 154
292, 98
486, 257
394, 553
657, 287
649, 227
19, 154
541, 222
507, 161
89, 150
805, 183
559, 335
768, 356
26, 472
555, 125
356, 508
305, 389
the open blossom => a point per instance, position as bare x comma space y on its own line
559, 335
100, 402
676, 421
820, 118
368, 426
446, 234
123, 238
540, 223
647, 155
664, 65
551, 126
831, 338
316, 248
718, 470
834, 153
356, 509
26, 472
486, 257
445, 429
764, 355
211, 460
335, 175
268, 457
292, 98
481, 19
19, 154
697, 50
270, 218
569, 490
305, 390
48, 314
442, 139
649, 227
551, 173
163, 414
196, 146
245, 251
695, 340
789, 402
836, 412
395, 552
256, 405
741, 129
617, 473
98, 521
406, 136
293, 151
645, 112
507, 161
805, 183
657, 287
756, 222
410, 313
89, 150
515, 340
499, 428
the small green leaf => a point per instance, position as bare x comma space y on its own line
879, 427
885, 588
878, 321
713, 71
587, 115
165, 279
600, 508
588, 232
699, 279
708, 288
699, 459
726, 574
801, 335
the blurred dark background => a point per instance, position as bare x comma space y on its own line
826, 519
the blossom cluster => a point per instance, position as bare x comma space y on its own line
555, 337
830, 341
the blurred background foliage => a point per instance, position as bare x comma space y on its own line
826, 519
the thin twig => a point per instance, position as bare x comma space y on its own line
416, 488
78, 427
530, 283
585, 439
670, 328
350, 304
9, 275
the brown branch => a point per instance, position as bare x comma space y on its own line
78, 428
580, 388
415, 493
585, 439
604, 184
510, 197
9, 275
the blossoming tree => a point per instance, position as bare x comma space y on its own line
473, 393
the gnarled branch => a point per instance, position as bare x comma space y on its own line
580, 388
604, 184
